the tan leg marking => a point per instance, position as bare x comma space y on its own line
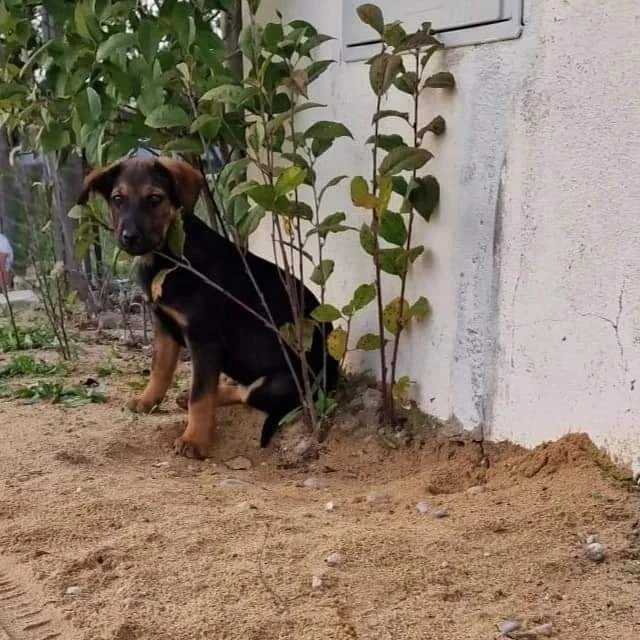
179, 318
197, 437
165, 359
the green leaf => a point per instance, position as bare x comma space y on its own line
442, 80
388, 142
323, 272
369, 342
116, 43
207, 125
326, 130
243, 188
363, 295
390, 113
437, 126
184, 145
427, 56
383, 71
367, 239
394, 34
337, 343
396, 315
393, 261
400, 185
250, 222
157, 283
275, 123
95, 104
331, 224
54, 138
420, 308
404, 159
293, 209
289, 333
425, 195
325, 313
149, 37
392, 228
289, 180
360, 194
167, 116
332, 183
407, 82
316, 69
231, 94
77, 212
418, 40
372, 15
264, 195
401, 391
175, 237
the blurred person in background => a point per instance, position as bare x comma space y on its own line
6, 263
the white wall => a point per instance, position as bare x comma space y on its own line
534, 255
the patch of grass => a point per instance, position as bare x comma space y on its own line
35, 337
26, 366
57, 393
107, 369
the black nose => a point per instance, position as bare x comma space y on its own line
130, 238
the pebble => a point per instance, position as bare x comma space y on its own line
334, 559
75, 590
592, 539
423, 507
544, 630
232, 482
159, 465
595, 551
330, 506
246, 506
304, 447
440, 513
312, 482
509, 626
376, 497
239, 463
477, 490
316, 582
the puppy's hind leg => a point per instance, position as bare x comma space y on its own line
276, 396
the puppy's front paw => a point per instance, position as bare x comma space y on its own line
190, 449
140, 405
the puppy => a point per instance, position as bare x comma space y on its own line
144, 197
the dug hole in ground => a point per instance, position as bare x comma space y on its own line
106, 535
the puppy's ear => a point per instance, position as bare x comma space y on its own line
187, 181
100, 180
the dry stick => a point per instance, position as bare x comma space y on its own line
385, 416
403, 285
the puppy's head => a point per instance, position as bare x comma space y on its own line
144, 197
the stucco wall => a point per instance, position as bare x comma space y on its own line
533, 258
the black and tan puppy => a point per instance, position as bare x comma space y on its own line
144, 197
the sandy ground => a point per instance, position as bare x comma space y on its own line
105, 535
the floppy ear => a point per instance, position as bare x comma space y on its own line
100, 180
187, 181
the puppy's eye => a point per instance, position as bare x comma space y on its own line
155, 199
117, 199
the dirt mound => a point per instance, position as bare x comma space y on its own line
575, 450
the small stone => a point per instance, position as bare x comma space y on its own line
423, 507
592, 539
509, 626
330, 506
232, 482
316, 583
312, 482
159, 465
304, 447
74, 590
440, 513
334, 559
246, 506
595, 552
239, 463
477, 490
377, 497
